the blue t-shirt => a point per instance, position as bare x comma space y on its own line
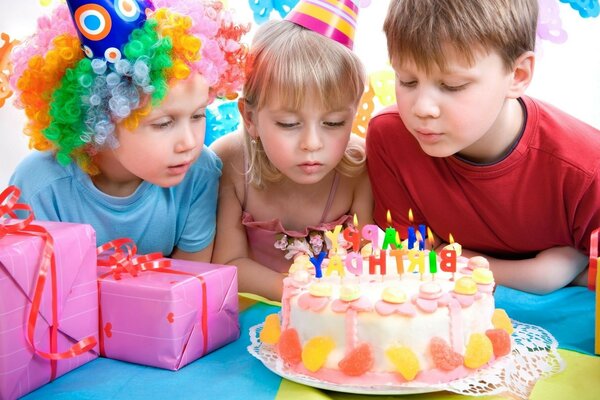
156, 218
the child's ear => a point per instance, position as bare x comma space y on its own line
522, 73
247, 114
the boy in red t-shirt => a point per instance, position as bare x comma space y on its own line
508, 176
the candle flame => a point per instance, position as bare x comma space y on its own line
430, 236
419, 237
410, 215
451, 239
355, 220
389, 218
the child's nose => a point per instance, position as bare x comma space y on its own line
425, 105
187, 139
311, 140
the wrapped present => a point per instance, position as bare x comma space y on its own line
161, 312
49, 298
594, 283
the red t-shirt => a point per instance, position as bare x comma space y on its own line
544, 193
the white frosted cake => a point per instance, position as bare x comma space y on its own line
397, 325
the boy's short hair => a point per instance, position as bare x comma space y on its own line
295, 63
418, 30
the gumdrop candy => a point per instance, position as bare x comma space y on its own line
443, 356
271, 329
479, 351
289, 346
501, 321
405, 361
358, 361
315, 352
500, 341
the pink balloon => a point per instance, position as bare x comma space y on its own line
549, 23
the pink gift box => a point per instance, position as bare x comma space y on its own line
21, 370
168, 319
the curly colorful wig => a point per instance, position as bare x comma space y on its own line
73, 103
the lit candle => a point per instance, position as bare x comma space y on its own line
412, 237
422, 238
352, 235
391, 236
432, 254
452, 245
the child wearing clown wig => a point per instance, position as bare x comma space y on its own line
295, 171
120, 129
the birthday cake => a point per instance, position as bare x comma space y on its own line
391, 317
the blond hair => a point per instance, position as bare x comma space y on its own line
294, 63
418, 30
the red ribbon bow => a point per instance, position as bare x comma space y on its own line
8, 206
123, 259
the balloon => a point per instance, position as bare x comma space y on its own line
549, 23
5, 67
262, 8
364, 113
221, 120
585, 8
383, 83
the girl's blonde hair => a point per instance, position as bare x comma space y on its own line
295, 63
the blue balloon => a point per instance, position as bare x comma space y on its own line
220, 121
585, 8
262, 8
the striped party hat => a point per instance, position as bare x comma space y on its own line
335, 19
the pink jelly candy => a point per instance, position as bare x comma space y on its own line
358, 361
289, 346
500, 341
444, 357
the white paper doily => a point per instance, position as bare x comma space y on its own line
534, 356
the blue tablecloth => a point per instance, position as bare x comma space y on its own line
232, 373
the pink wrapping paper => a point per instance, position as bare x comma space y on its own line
22, 371
168, 320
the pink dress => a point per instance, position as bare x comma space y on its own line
262, 235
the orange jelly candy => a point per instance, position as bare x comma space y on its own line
443, 356
271, 329
500, 341
358, 361
289, 346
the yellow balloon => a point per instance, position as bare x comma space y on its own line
383, 85
364, 112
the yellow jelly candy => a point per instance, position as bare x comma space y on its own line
483, 276
465, 285
501, 321
271, 329
405, 361
394, 295
320, 289
315, 352
479, 351
349, 292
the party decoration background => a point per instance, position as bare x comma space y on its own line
567, 66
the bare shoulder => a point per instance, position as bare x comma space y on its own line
229, 146
230, 149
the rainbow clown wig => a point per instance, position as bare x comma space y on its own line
75, 81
